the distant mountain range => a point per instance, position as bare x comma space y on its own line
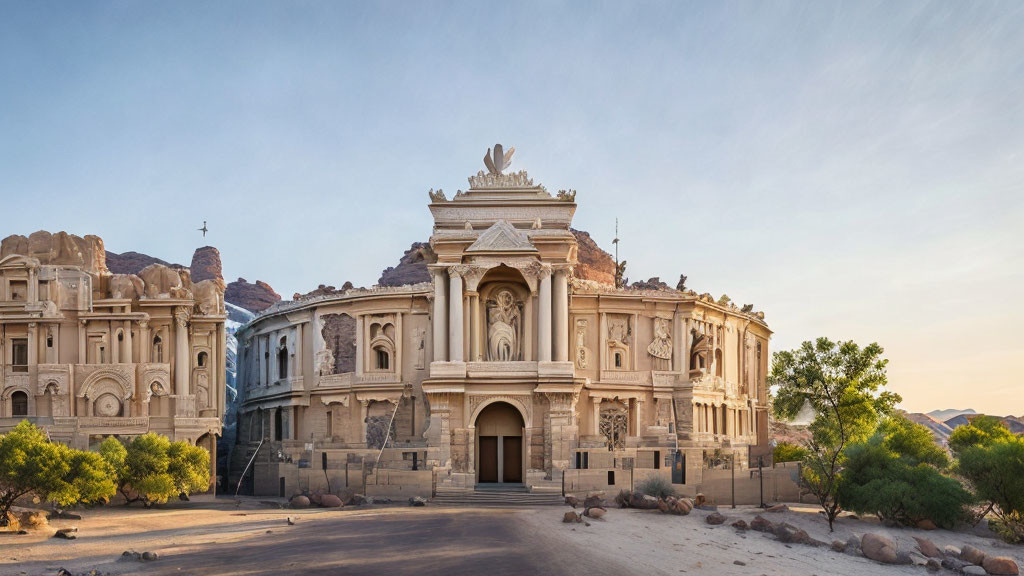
943, 422
943, 415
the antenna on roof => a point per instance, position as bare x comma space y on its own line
620, 268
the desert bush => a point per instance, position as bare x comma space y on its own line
991, 459
31, 464
786, 452
151, 469
656, 486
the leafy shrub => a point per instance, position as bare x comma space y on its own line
151, 469
897, 475
786, 452
992, 461
656, 486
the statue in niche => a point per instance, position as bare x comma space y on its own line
325, 362
582, 353
504, 317
614, 424
661, 346
618, 331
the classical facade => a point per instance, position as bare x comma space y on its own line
86, 354
506, 367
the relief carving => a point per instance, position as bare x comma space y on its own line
504, 319
582, 352
661, 346
614, 424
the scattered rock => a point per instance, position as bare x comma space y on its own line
928, 548
572, 501
954, 564
911, 558
67, 533
64, 572
593, 500
933, 565
777, 508
131, 555
417, 501
299, 501
715, 519
699, 500
741, 525
739, 563
62, 515
790, 534
971, 554
838, 546
1001, 565
643, 501
151, 556
761, 524
331, 501
853, 545
972, 570
927, 524
950, 550
879, 548
595, 512
381, 500
571, 517
360, 499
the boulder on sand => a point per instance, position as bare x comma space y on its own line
879, 548
715, 519
572, 501
971, 554
1001, 565
571, 517
595, 512
928, 548
299, 501
761, 524
330, 501
790, 534
593, 500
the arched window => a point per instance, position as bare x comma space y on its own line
618, 359
201, 360
19, 404
158, 349
383, 359
282, 359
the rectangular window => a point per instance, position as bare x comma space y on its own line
657, 459
19, 290
611, 477
19, 354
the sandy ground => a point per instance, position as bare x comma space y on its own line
657, 543
222, 537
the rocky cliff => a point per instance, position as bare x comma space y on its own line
59, 249
253, 297
133, 262
412, 267
206, 264
594, 263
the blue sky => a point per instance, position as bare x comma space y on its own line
854, 169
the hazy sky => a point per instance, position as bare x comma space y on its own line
856, 170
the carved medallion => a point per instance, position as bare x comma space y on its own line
107, 405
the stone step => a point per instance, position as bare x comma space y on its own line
495, 498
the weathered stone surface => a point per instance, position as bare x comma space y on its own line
790, 534
299, 501
928, 548
359, 499
125, 286
593, 263
253, 297
761, 524
740, 525
60, 248
654, 283
330, 501
879, 548
1000, 565
933, 565
412, 267
715, 519
971, 554
206, 264
339, 332
950, 550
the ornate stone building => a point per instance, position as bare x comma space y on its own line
86, 354
506, 367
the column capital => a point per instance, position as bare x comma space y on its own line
181, 316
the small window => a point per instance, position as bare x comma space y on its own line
618, 360
158, 350
657, 459
19, 404
282, 360
383, 359
201, 360
19, 290
611, 477
120, 336
19, 354
49, 340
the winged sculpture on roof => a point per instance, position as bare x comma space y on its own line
500, 160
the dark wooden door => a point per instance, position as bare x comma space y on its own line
488, 459
512, 458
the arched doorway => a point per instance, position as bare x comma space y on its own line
499, 442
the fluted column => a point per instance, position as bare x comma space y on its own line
561, 313
126, 352
440, 318
475, 333
544, 325
456, 323
182, 353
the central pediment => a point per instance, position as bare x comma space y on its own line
502, 237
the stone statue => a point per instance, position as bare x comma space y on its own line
567, 195
661, 346
582, 353
500, 161
437, 196
325, 362
503, 321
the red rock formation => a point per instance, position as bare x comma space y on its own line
133, 262
412, 268
253, 297
593, 263
206, 264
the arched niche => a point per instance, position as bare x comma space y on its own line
504, 309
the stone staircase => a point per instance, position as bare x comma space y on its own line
498, 496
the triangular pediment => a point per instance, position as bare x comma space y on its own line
502, 237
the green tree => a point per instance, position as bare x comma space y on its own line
897, 475
151, 469
991, 459
844, 385
786, 452
31, 464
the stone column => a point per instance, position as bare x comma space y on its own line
559, 430
561, 316
455, 319
597, 414
145, 342
474, 331
126, 353
83, 356
440, 317
544, 325
364, 413
33, 345
360, 349
182, 353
